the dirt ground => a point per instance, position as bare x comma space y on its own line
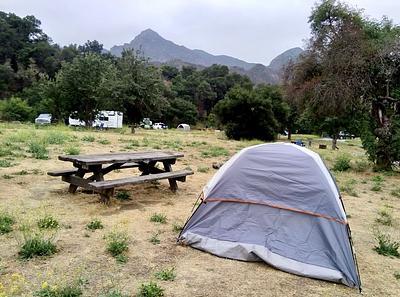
27, 193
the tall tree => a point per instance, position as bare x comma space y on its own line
87, 85
140, 87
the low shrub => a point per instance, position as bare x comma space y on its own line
95, 225
72, 150
48, 222
397, 275
117, 243
6, 223
154, 239
104, 141
203, 169
123, 195
166, 274
342, 163
37, 246
88, 138
385, 218
177, 227
5, 163
158, 218
386, 246
38, 150
56, 137
348, 187
395, 192
361, 165
114, 293
214, 151
150, 289
55, 291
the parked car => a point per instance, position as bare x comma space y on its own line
346, 135
146, 123
184, 127
105, 119
159, 126
43, 119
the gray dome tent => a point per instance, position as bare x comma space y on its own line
276, 203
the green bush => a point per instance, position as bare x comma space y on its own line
72, 150
385, 218
158, 218
54, 291
38, 150
154, 239
114, 293
123, 195
117, 243
15, 109
395, 192
251, 113
53, 137
386, 246
166, 274
342, 163
214, 151
48, 222
150, 289
37, 246
177, 227
94, 225
5, 163
88, 138
361, 165
104, 141
6, 223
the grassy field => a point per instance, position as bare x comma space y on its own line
53, 243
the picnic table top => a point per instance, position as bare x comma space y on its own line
124, 157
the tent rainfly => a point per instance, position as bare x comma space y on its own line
276, 203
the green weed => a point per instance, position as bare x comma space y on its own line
38, 150
150, 289
37, 246
48, 222
104, 141
55, 291
72, 150
214, 151
88, 138
177, 227
158, 218
386, 246
95, 225
166, 274
6, 223
385, 218
154, 239
123, 195
203, 169
117, 243
342, 163
5, 163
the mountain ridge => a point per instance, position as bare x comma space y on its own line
163, 51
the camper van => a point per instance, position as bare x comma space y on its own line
105, 119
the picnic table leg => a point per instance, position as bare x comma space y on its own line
172, 182
72, 188
97, 173
106, 194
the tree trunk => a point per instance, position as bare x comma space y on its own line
133, 129
289, 135
334, 142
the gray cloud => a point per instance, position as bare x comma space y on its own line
253, 30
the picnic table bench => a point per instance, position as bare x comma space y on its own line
101, 164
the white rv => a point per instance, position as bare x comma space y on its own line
105, 119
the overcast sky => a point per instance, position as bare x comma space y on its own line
252, 30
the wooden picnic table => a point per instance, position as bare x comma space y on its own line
100, 164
